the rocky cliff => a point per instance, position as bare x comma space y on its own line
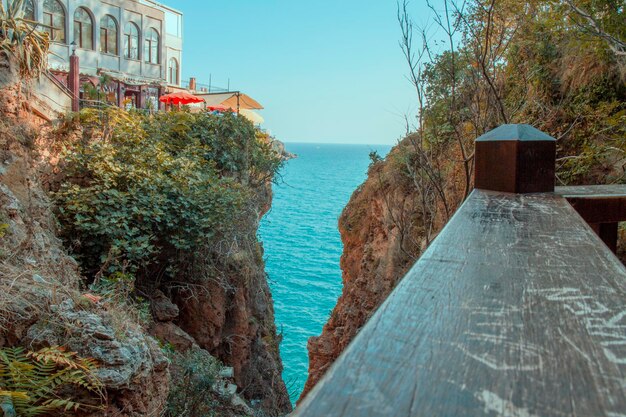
41, 302
224, 306
228, 310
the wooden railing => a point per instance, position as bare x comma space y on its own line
517, 309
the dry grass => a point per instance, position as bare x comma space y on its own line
581, 67
25, 296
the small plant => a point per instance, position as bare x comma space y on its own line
20, 40
4, 227
375, 157
119, 290
195, 375
45, 382
115, 288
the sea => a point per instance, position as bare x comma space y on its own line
303, 246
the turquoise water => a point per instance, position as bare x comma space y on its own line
303, 246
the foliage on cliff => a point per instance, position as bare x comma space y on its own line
167, 206
558, 66
149, 187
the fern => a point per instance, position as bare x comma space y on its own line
36, 383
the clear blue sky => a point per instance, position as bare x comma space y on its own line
325, 70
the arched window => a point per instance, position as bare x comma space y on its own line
151, 47
108, 35
172, 72
29, 10
131, 41
83, 28
54, 20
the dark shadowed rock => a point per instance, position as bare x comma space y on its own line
162, 308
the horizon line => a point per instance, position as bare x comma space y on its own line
335, 143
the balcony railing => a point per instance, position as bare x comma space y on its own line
205, 88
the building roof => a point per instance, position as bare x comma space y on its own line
229, 99
159, 5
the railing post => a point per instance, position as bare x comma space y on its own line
608, 232
120, 95
515, 158
141, 99
74, 81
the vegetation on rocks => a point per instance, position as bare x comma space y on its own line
185, 193
48, 381
555, 65
164, 208
143, 188
201, 388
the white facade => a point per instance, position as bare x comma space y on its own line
148, 53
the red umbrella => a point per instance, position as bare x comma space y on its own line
180, 97
220, 107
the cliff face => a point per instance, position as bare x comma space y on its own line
224, 306
229, 312
377, 228
41, 302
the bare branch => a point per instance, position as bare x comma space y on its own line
615, 44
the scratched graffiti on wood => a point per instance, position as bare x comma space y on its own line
495, 339
606, 324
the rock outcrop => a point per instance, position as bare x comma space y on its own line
228, 310
40, 299
279, 148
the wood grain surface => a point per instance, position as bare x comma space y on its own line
597, 203
592, 191
517, 309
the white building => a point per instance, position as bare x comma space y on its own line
136, 43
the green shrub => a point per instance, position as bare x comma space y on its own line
119, 289
194, 375
144, 189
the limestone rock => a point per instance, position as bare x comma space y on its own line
125, 355
39, 285
227, 372
279, 147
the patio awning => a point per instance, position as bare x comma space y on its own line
180, 97
132, 81
231, 99
251, 115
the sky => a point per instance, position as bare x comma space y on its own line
326, 71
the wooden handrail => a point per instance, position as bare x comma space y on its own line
58, 83
517, 309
